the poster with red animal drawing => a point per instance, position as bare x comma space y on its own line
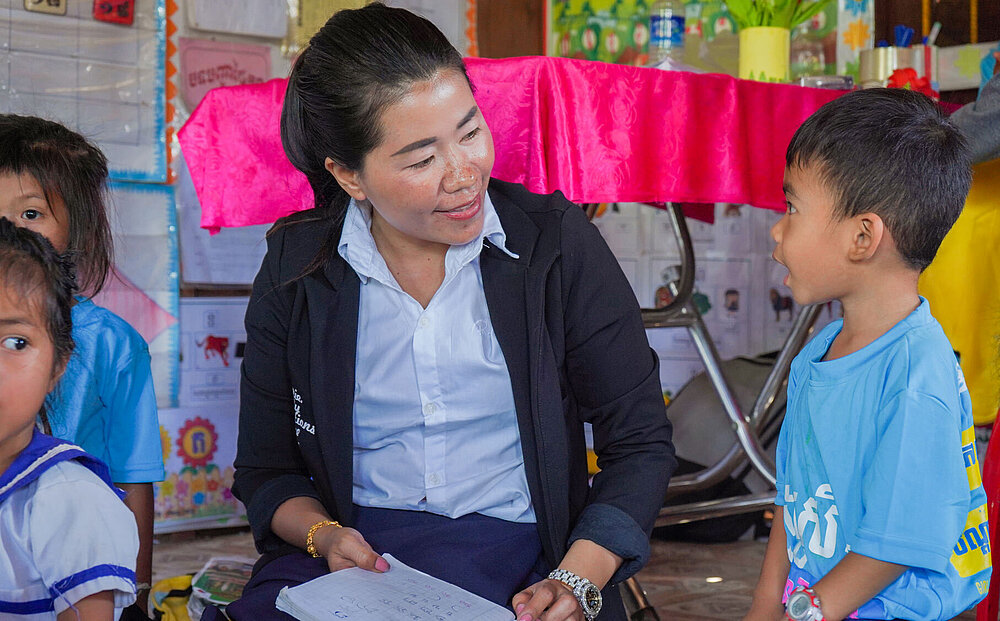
212, 341
215, 346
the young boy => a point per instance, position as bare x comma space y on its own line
881, 513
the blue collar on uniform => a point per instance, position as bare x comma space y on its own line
42, 453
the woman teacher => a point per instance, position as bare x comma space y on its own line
425, 346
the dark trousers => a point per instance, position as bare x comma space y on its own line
492, 558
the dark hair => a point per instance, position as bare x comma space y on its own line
361, 62
71, 169
32, 268
894, 153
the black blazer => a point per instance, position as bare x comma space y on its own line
569, 328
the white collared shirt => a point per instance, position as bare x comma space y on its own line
434, 422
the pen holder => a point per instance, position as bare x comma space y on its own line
879, 63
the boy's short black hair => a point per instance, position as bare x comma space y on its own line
891, 152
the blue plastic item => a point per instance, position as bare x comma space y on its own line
903, 35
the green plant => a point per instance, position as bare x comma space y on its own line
776, 13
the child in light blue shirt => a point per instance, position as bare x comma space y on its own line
881, 512
105, 400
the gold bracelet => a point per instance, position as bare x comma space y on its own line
310, 546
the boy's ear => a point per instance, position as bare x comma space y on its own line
867, 234
348, 179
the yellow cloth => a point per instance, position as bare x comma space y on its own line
963, 288
172, 607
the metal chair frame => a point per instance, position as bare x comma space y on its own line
767, 410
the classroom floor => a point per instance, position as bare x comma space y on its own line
676, 579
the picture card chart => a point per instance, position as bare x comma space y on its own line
738, 287
212, 342
199, 446
103, 79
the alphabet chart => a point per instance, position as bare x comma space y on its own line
103, 79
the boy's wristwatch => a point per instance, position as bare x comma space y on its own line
803, 605
585, 591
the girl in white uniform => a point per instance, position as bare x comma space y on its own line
69, 543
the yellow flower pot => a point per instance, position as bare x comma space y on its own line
764, 54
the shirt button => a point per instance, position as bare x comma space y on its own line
424, 322
434, 479
430, 408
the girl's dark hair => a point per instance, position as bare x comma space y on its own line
358, 64
32, 270
70, 168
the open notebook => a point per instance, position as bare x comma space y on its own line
400, 594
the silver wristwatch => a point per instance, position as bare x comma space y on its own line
584, 590
803, 605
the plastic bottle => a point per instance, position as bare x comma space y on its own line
806, 51
666, 31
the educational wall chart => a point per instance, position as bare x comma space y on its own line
145, 290
199, 446
738, 286
102, 78
199, 437
206, 64
212, 343
229, 57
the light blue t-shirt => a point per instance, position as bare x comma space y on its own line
876, 456
105, 401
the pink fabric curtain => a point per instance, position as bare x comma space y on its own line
596, 131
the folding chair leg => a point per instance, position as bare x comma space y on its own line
637, 606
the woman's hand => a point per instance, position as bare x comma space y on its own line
341, 547
548, 600
345, 547
552, 600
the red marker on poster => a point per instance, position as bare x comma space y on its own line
115, 11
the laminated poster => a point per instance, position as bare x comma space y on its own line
199, 446
145, 289
101, 78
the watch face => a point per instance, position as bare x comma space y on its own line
798, 605
592, 599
